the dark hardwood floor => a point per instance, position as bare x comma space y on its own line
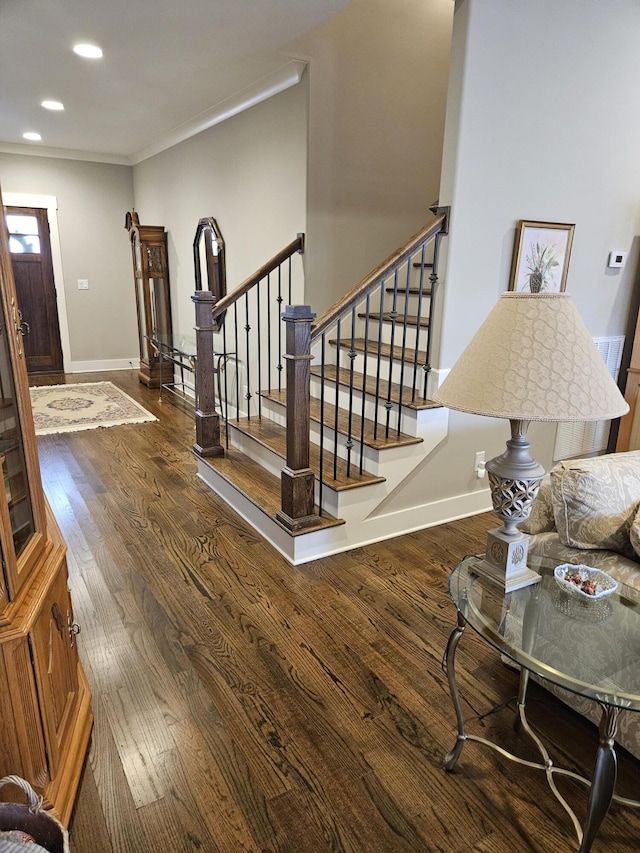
242, 704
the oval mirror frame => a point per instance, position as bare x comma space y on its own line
209, 257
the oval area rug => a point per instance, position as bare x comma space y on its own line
85, 405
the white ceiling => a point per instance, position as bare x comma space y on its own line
169, 68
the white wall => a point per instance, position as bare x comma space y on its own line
249, 173
92, 201
541, 125
378, 77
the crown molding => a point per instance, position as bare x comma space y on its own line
32, 150
266, 87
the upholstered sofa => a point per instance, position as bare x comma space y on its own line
588, 511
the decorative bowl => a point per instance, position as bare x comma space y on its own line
584, 582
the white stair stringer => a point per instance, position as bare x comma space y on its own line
362, 509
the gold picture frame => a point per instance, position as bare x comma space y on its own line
541, 257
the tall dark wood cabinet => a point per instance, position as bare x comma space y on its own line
153, 299
45, 704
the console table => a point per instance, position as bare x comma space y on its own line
536, 628
179, 351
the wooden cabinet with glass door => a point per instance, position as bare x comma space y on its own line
151, 282
45, 704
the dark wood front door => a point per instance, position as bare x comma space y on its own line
33, 273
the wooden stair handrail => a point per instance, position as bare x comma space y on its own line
227, 301
439, 225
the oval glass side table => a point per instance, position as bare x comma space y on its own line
536, 627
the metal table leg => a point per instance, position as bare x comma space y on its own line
518, 723
451, 758
603, 781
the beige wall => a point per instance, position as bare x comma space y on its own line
248, 172
541, 125
351, 156
378, 78
92, 201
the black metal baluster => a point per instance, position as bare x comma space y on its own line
235, 329
226, 384
404, 341
247, 329
364, 380
335, 414
394, 315
289, 279
323, 361
280, 327
352, 358
379, 358
270, 365
419, 330
259, 348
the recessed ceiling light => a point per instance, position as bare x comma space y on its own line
32, 137
52, 105
89, 51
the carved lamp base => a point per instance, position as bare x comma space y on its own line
506, 560
514, 478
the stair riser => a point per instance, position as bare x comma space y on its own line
385, 335
408, 415
274, 464
374, 461
397, 374
276, 412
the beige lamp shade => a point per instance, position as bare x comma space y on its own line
533, 359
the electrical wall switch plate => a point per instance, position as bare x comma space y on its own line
83, 284
617, 259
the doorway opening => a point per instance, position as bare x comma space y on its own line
49, 203
30, 249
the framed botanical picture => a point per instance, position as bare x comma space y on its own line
541, 257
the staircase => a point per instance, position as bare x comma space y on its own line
323, 425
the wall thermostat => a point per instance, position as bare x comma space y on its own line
617, 259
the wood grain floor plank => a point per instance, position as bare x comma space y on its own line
118, 809
88, 820
206, 788
244, 704
135, 744
241, 775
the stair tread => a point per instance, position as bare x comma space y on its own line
260, 487
398, 392
272, 435
372, 347
379, 442
412, 319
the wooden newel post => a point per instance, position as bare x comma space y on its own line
297, 483
207, 419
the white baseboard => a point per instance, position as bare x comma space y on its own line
132, 363
316, 544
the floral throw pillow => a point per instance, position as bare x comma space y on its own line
595, 501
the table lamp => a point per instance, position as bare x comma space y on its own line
531, 360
